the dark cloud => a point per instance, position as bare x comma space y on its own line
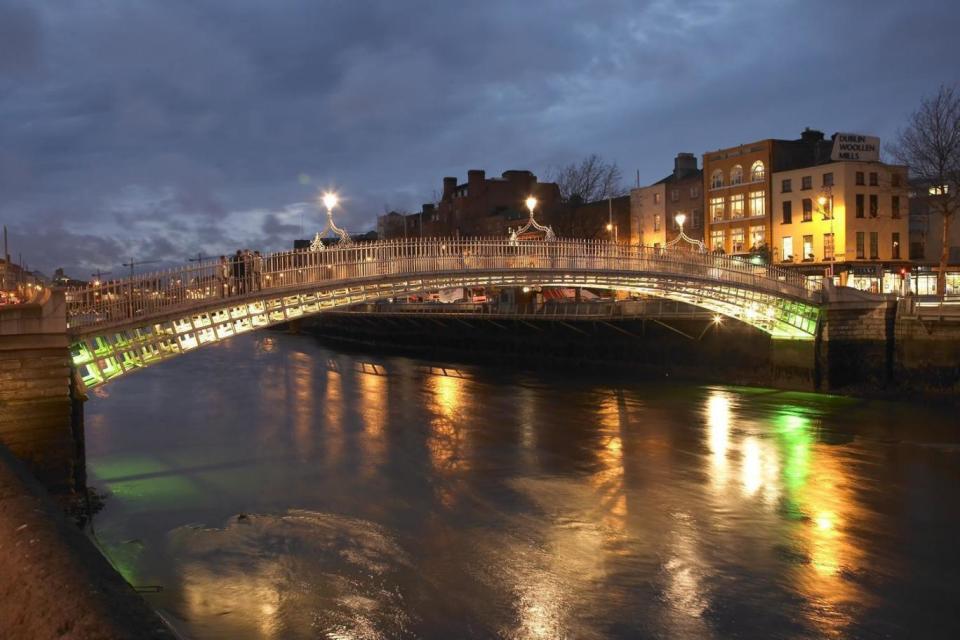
164, 129
19, 38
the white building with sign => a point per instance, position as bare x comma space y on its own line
846, 219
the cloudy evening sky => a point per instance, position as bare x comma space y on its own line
159, 129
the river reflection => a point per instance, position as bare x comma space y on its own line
275, 489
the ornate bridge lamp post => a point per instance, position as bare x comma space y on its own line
681, 218
549, 235
330, 201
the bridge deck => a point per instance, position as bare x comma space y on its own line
127, 324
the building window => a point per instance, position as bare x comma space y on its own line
828, 179
860, 180
656, 222
874, 205
939, 190
807, 248
788, 212
758, 203
786, 186
895, 246
806, 182
716, 209
859, 205
807, 209
716, 239
674, 195
895, 206
860, 251
736, 206
736, 240
828, 246
787, 249
758, 236
736, 175
716, 180
874, 245
697, 219
695, 191
656, 198
873, 179
894, 179
758, 172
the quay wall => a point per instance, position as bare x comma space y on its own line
875, 346
53, 582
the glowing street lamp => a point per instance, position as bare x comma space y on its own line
515, 234
330, 200
680, 218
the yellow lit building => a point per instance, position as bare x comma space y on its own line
847, 219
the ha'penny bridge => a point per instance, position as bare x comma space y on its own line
69, 341
122, 326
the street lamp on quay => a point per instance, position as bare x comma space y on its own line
827, 213
611, 227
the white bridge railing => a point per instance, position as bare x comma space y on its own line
154, 294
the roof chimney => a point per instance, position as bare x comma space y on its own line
684, 164
810, 136
449, 186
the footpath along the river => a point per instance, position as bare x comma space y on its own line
54, 583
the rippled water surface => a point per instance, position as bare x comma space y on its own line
272, 488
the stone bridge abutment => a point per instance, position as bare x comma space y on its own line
40, 415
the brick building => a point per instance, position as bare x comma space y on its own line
489, 206
654, 209
607, 219
738, 188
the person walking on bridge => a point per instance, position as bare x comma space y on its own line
223, 275
257, 271
238, 271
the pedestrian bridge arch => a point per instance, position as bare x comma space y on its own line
122, 326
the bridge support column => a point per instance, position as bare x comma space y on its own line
41, 419
856, 343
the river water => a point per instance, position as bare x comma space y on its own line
269, 487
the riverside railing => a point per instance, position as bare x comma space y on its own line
196, 285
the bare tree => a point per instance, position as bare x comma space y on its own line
591, 180
930, 146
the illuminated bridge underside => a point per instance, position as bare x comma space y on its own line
102, 354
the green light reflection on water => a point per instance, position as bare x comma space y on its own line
142, 482
794, 430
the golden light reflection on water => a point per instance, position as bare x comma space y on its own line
609, 481
828, 501
302, 408
685, 590
718, 413
446, 442
374, 413
244, 603
333, 413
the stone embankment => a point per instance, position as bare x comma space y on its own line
53, 582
